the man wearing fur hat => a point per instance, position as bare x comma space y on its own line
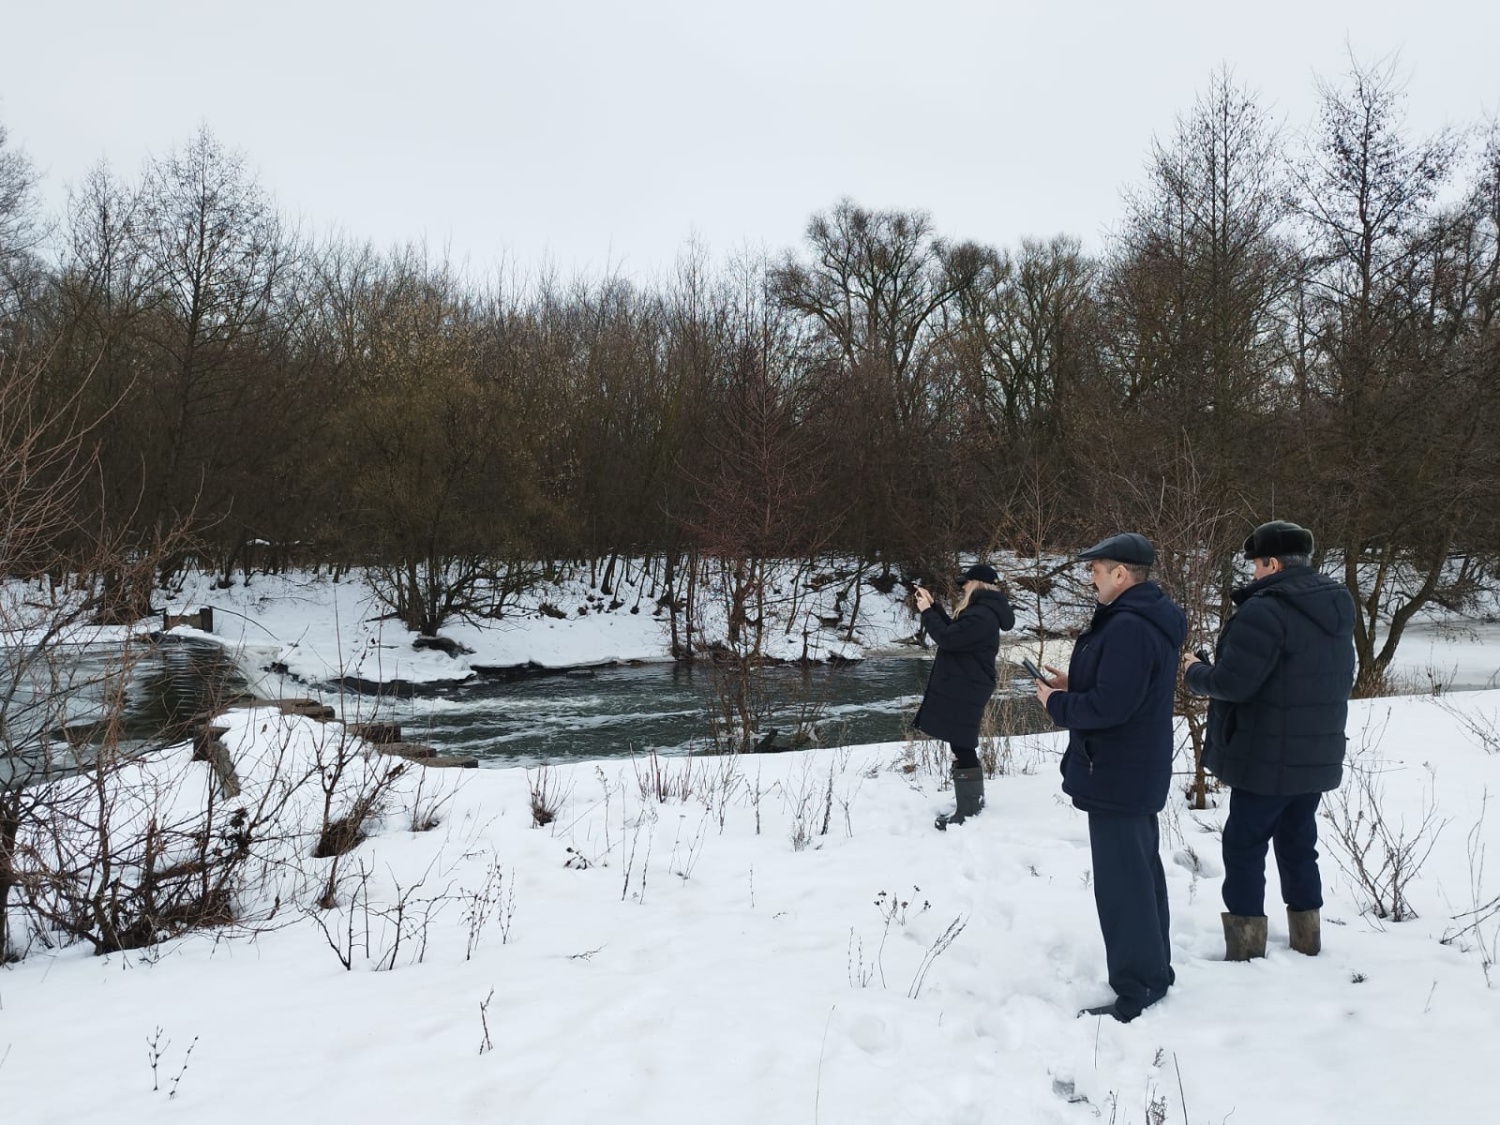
1279, 690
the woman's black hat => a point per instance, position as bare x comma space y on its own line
979, 573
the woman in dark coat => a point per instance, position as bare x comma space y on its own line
963, 679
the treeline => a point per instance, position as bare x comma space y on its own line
1302, 328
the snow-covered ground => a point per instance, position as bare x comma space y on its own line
789, 941
319, 629
780, 938
1447, 652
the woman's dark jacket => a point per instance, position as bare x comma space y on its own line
1118, 707
1279, 685
963, 672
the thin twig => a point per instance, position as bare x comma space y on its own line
818, 1090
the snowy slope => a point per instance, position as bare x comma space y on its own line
697, 964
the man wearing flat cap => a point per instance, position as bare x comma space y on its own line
1115, 700
1279, 698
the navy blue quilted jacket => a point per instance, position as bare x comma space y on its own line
1122, 679
1279, 685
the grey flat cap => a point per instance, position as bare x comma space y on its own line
1127, 547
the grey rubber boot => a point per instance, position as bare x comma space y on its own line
1244, 936
968, 793
1306, 931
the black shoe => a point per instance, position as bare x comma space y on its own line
1112, 1010
1123, 1010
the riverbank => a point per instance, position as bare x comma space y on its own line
310, 630
782, 939
549, 683
571, 673
317, 631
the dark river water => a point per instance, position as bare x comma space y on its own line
668, 708
584, 714
182, 680
63, 700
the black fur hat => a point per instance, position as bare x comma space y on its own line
1277, 538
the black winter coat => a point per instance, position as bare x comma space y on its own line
1122, 680
963, 672
1279, 685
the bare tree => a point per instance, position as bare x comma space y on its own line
1385, 376
216, 254
1195, 292
50, 563
433, 472
21, 233
877, 297
1022, 335
757, 502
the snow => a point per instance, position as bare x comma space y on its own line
689, 969
1450, 653
719, 956
320, 630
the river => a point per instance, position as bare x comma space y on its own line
162, 687
667, 708
567, 716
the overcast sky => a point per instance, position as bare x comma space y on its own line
593, 133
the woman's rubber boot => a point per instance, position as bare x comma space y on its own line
968, 794
1306, 932
1244, 936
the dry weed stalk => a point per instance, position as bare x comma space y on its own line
1381, 859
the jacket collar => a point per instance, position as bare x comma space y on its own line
1270, 583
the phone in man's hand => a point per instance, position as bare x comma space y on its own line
1031, 669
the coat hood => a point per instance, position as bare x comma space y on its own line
1319, 598
998, 604
1147, 600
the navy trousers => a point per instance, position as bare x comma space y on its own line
1130, 893
1290, 825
